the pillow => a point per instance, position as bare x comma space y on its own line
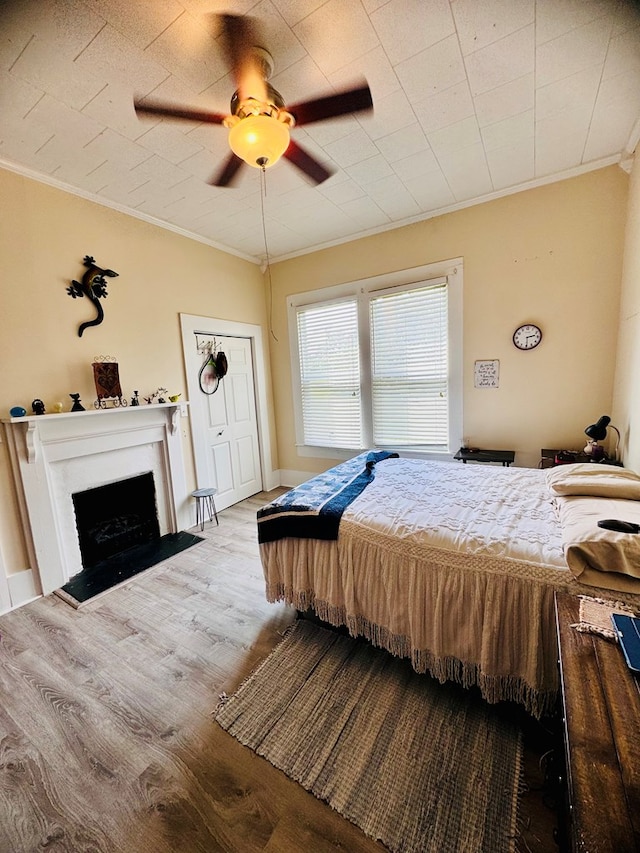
597, 557
591, 479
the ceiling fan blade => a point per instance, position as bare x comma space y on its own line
237, 37
240, 42
349, 101
228, 171
158, 108
308, 164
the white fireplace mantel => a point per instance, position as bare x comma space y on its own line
34, 434
54, 456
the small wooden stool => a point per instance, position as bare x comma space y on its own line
205, 502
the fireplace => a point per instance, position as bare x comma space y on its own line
58, 458
114, 517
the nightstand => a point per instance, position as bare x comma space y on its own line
504, 457
548, 458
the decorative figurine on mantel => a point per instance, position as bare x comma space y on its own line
94, 287
38, 407
158, 396
134, 400
107, 381
77, 405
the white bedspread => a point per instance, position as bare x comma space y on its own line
451, 565
490, 511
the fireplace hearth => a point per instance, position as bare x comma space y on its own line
114, 571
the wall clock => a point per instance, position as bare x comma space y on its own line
527, 336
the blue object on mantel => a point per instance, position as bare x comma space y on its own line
17, 412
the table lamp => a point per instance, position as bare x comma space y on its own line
598, 432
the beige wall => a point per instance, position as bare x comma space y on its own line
626, 410
44, 236
551, 255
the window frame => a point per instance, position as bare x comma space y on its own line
363, 290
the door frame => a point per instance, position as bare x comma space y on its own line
191, 324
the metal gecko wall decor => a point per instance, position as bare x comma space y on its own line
94, 287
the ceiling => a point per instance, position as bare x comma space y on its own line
472, 99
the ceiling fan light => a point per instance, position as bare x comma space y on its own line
259, 140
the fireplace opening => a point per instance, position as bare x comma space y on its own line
113, 518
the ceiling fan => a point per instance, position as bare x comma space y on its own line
259, 122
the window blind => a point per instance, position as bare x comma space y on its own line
330, 374
409, 364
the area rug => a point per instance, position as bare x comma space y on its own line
417, 765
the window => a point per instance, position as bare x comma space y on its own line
330, 374
409, 367
377, 363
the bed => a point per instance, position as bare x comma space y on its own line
454, 566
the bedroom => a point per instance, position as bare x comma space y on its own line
566, 252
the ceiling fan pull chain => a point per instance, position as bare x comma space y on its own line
265, 267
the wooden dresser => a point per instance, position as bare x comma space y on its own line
601, 710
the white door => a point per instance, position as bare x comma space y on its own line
226, 428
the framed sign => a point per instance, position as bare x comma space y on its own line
486, 374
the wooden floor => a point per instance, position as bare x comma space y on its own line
106, 737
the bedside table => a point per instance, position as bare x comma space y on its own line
548, 458
505, 457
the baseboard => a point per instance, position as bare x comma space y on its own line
23, 588
271, 480
294, 478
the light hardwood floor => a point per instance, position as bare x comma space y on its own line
106, 737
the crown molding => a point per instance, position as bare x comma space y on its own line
10, 166
462, 205
624, 161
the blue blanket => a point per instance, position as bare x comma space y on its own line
313, 510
